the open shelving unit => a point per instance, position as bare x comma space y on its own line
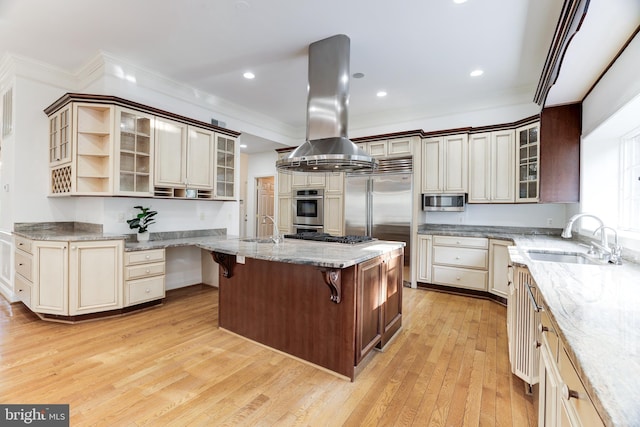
93, 124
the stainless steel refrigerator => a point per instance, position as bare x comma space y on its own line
380, 205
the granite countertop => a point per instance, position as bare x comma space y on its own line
596, 308
321, 254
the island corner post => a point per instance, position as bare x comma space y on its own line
330, 317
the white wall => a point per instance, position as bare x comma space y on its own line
517, 215
259, 166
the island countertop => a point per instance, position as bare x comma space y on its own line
321, 254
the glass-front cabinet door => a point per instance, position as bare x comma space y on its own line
134, 152
60, 137
527, 153
225, 187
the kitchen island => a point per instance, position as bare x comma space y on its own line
329, 304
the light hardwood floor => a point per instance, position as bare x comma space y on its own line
171, 366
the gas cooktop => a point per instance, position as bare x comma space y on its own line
326, 237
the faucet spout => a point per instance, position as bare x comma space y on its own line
566, 232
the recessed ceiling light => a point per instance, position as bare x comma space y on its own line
358, 75
249, 75
476, 73
381, 94
243, 145
459, 1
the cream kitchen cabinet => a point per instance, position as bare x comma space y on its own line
308, 180
82, 166
60, 137
95, 276
334, 183
71, 277
135, 140
562, 399
445, 164
460, 262
499, 267
285, 212
144, 274
184, 160
388, 148
425, 250
334, 214
23, 265
284, 183
102, 145
492, 167
225, 168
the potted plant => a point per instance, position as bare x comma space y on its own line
143, 220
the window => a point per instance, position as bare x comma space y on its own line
630, 180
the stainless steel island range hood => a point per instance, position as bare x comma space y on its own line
327, 147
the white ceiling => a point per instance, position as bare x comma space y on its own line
420, 51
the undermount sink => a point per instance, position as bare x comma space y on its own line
564, 257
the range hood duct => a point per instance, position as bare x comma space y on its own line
327, 147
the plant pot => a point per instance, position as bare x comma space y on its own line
143, 237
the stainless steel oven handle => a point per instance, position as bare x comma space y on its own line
536, 307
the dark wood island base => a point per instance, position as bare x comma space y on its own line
330, 317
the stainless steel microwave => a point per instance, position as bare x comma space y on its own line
443, 202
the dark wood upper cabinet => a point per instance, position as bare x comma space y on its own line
560, 129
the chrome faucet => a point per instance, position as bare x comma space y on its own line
615, 251
566, 233
276, 234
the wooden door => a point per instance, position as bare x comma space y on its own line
265, 206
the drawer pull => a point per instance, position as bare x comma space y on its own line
457, 277
148, 271
20, 264
567, 393
147, 257
457, 257
147, 290
457, 242
542, 328
20, 244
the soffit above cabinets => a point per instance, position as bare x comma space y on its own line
606, 28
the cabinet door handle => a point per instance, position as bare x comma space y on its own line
147, 257
535, 305
20, 264
148, 271
542, 328
73, 248
567, 393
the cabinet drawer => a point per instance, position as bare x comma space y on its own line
23, 290
469, 242
23, 244
143, 257
549, 335
23, 264
143, 290
143, 270
463, 257
582, 406
460, 277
